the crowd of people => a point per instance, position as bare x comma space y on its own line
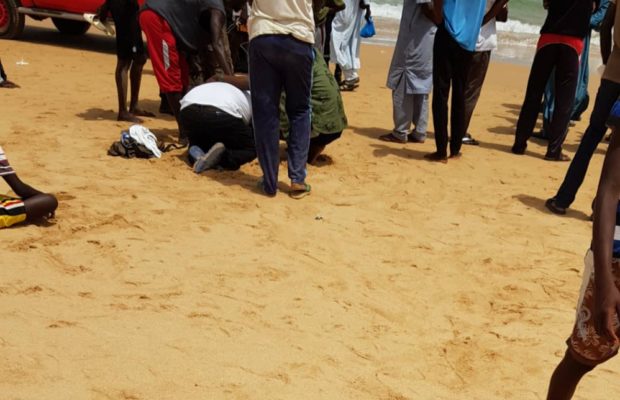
239, 76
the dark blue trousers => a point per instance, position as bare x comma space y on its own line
281, 62
607, 95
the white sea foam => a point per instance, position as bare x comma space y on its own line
394, 12
517, 27
386, 10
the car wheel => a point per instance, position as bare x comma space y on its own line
11, 22
70, 27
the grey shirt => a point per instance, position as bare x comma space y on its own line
184, 18
413, 55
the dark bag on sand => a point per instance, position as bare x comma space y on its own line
129, 150
502, 16
128, 147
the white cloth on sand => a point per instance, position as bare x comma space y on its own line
146, 138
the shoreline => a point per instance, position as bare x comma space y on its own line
513, 47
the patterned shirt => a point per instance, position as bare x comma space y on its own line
5, 167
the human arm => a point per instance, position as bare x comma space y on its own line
20, 188
599, 15
336, 5
365, 6
606, 32
103, 11
494, 10
437, 12
606, 294
241, 82
216, 23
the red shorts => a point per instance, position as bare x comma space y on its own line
169, 66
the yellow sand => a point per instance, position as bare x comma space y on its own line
396, 279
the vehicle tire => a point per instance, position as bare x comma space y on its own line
11, 22
70, 27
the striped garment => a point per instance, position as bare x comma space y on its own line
12, 211
5, 167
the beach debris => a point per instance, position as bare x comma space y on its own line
318, 217
22, 62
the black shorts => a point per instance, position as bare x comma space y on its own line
129, 43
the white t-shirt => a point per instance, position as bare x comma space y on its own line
221, 95
487, 39
282, 17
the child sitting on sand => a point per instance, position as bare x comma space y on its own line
595, 336
32, 205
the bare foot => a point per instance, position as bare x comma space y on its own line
142, 113
9, 85
436, 157
456, 156
129, 117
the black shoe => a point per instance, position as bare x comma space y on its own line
554, 208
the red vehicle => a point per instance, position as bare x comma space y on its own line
67, 15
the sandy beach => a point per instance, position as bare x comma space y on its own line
396, 279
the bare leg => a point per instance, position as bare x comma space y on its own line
174, 101
566, 377
135, 76
40, 206
122, 77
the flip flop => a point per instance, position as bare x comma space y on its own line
299, 190
470, 141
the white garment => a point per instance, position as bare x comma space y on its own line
346, 39
221, 95
146, 138
487, 39
282, 17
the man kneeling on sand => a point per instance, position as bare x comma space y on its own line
216, 119
30, 206
328, 118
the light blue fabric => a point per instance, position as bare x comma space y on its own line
463, 19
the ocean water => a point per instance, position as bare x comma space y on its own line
517, 37
525, 16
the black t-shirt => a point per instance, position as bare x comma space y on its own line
183, 16
569, 17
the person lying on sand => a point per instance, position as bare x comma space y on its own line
32, 205
130, 53
4, 81
595, 336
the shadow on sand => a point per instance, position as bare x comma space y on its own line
539, 204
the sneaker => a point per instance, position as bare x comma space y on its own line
211, 159
195, 153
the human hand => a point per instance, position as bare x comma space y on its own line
607, 310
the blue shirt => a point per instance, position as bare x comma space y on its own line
463, 19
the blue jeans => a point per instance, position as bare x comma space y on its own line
607, 95
280, 62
